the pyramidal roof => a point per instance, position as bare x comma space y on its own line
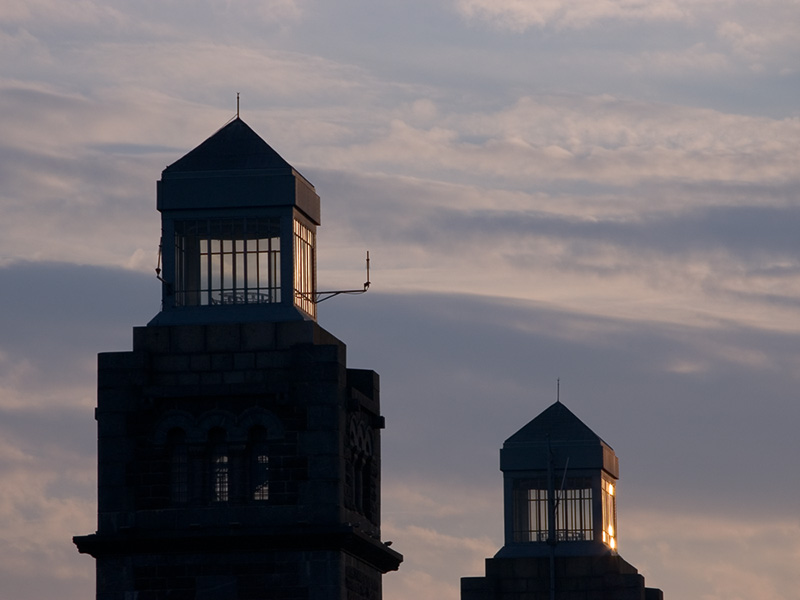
234, 147
556, 423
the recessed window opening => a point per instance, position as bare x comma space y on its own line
179, 467
219, 466
259, 464
227, 261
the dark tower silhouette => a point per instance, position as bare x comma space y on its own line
238, 456
560, 518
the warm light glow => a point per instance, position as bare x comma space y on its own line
609, 514
304, 269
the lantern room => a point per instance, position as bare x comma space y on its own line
238, 234
560, 483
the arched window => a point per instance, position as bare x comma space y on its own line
258, 459
220, 472
178, 466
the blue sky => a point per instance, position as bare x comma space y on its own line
601, 191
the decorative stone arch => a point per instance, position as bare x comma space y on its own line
257, 416
360, 436
217, 418
174, 419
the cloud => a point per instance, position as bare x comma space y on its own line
49, 489
654, 252
428, 555
519, 15
735, 33
55, 319
704, 548
129, 20
604, 140
459, 375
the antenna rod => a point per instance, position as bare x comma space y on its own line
551, 517
237, 105
320, 296
558, 389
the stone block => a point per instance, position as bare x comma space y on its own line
233, 377
244, 360
211, 378
187, 338
165, 379
222, 362
270, 360
200, 362
171, 363
188, 378
121, 360
320, 417
254, 376
151, 339
293, 333
578, 567
223, 338
258, 336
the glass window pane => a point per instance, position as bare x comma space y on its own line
227, 261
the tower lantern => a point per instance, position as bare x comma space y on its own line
560, 519
238, 234
560, 483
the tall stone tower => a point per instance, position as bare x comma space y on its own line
560, 516
238, 456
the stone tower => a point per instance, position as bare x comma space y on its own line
238, 456
560, 519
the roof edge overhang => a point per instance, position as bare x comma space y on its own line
536, 456
254, 188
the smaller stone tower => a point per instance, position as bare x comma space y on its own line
560, 518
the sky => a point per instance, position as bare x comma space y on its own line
603, 192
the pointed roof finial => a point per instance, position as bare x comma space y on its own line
558, 389
237, 105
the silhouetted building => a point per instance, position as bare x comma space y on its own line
560, 519
238, 456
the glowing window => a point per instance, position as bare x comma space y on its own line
609, 514
227, 261
304, 269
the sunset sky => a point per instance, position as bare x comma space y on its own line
601, 191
